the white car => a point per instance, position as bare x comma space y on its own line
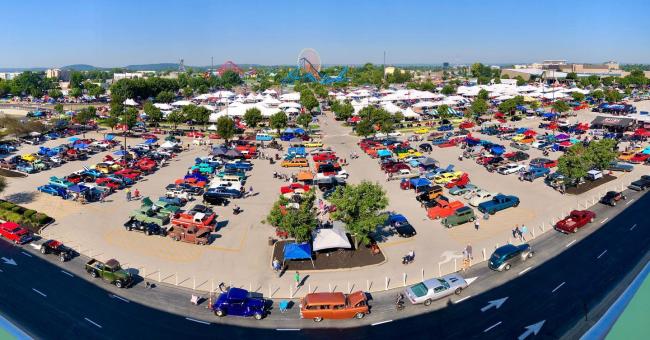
479, 197
217, 182
510, 168
437, 288
183, 195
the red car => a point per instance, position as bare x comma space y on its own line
149, 136
466, 125
460, 181
129, 173
639, 158
394, 168
195, 134
214, 136
576, 219
325, 156
294, 188
15, 233
484, 160
543, 163
109, 183
146, 165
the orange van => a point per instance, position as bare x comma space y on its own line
319, 306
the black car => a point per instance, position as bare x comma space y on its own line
426, 147
146, 228
519, 156
57, 248
611, 197
200, 208
404, 229
640, 184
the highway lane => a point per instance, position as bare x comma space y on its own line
49, 303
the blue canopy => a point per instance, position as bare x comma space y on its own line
396, 219
521, 130
299, 131
295, 251
80, 146
110, 137
549, 115
521, 108
150, 141
288, 130
420, 182
78, 188
383, 153
73, 139
119, 153
497, 150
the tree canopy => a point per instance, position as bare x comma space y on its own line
253, 117
299, 222
279, 121
226, 127
304, 119
342, 111
560, 106
154, 114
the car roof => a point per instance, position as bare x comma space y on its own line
237, 293
506, 249
336, 298
463, 209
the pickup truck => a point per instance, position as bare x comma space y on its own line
443, 209
498, 203
192, 234
576, 219
110, 272
534, 173
148, 215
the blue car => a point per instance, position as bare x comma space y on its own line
52, 190
618, 166
445, 128
222, 192
25, 167
246, 166
238, 302
504, 257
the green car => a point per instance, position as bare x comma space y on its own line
237, 173
111, 272
460, 216
160, 207
148, 215
203, 168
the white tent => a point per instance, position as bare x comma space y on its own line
181, 103
270, 91
409, 113
163, 106
130, 102
292, 110
289, 104
425, 104
270, 101
391, 108
212, 127
290, 97
334, 238
168, 145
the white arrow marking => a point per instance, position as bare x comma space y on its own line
463, 299
381, 322
532, 329
632, 228
35, 246
9, 261
570, 243
118, 297
494, 303
630, 201
66, 273
39, 292
471, 279
525, 270
601, 254
558, 287
93, 322
199, 321
490, 328
605, 220
26, 254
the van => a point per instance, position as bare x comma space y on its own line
319, 306
263, 137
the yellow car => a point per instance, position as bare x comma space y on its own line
28, 157
447, 177
410, 153
295, 163
421, 130
626, 155
518, 137
312, 144
457, 121
106, 167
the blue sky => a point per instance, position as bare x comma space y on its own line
117, 32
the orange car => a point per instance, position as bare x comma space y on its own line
626, 155
319, 306
443, 209
295, 163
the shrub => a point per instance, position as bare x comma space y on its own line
17, 209
41, 218
7, 205
28, 213
14, 217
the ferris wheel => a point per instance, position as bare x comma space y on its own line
309, 62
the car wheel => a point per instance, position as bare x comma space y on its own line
575, 230
220, 313
360, 315
258, 316
507, 267
148, 232
458, 291
93, 274
471, 219
427, 302
177, 238
613, 205
118, 284
43, 250
62, 258
516, 204
530, 255
318, 319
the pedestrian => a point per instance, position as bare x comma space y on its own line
469, 251
250, 190
128, 194
276, 264
515, 232
296, 277
476, 224
524, 230
465, 255
136, 194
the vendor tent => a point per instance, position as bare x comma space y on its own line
297, 251
219, 151
334, 238
419, 182
305, 176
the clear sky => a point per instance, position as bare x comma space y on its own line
118, 32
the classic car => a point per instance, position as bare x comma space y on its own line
447, 177
56, 248
429, 290
460, 216
15, 233
111, 272
505, 256
498, 203
443, 209
336, 305
612, 197
238, 302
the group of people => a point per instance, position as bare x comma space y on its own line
519, 233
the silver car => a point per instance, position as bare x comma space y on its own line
436, 288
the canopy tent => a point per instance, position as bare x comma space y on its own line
428, 162
73, 139
497, 150
384, 153
562, 137
409, 113
163, 106
334, 238
168, 145
297, 251
151, 141
130, 102
305, 176
78, 188
292, 110
233, 154
212, 127
181, 103
110, 137
288, 105
420, 182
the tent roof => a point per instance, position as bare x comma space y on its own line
331, 238
295, 251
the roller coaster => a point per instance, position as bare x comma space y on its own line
308, 71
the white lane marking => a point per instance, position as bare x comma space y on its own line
199, 321
287, 329
525, 270
605, 220
39, 292
93, 322
120, 298
632, 228
490, 328
66, 273
601, 254
381, 322
26, 254
558, 287
630, 201
463, 299
570, 243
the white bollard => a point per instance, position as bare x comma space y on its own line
422, 274
386, 283
484, 255
367, 284
404, 278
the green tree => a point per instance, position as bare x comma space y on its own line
507, 106
165, 97
359, 207
58, 108
129, 117
176, 117
279, 121
55, 93
75, 92
76, 80
304, 119
575, 162
572, 76
443, 111
613, 96
364, 127
86, 115
600, 153
188, 92
231, 79
343, 111
577, 96
154, 115
111, 122
308, 100
534, 105
253, 117
520, 81
479, 106
298, 222
226, 128
483, 94
560, 106
448, 90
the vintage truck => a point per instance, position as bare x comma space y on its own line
110, 272
148, 214
498, 203
576, 219
197, 219
443, 209
191, 234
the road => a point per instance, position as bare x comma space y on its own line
569, 276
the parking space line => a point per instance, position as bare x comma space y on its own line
605, 220
601, 254
490, 328
525, 270
381, 322
66, 273
93, 322
630, 201
463, 299
570, 243
558, 287
199, 321
287, 329
39, 292
26, 254
632, 228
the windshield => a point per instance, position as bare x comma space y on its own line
419, 290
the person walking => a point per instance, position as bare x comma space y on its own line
469, 251
128, 194
515, 232
523, 231
296, 277
476, 224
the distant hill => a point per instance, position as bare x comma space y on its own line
81, 67
21, 69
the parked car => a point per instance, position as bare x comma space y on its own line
520, 146
543, 163
612, 197
619, 166
58, 249
401, 225
443, 209
429, 290
576, 219
111, 272
510, 168
425, 147
224, 192
462, 190
480, 196
640, 184
533, 173
238, 302
498, 203
15, 233
460, 216
505, 256
146, 228
319, 306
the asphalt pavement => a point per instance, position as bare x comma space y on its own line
544, 297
